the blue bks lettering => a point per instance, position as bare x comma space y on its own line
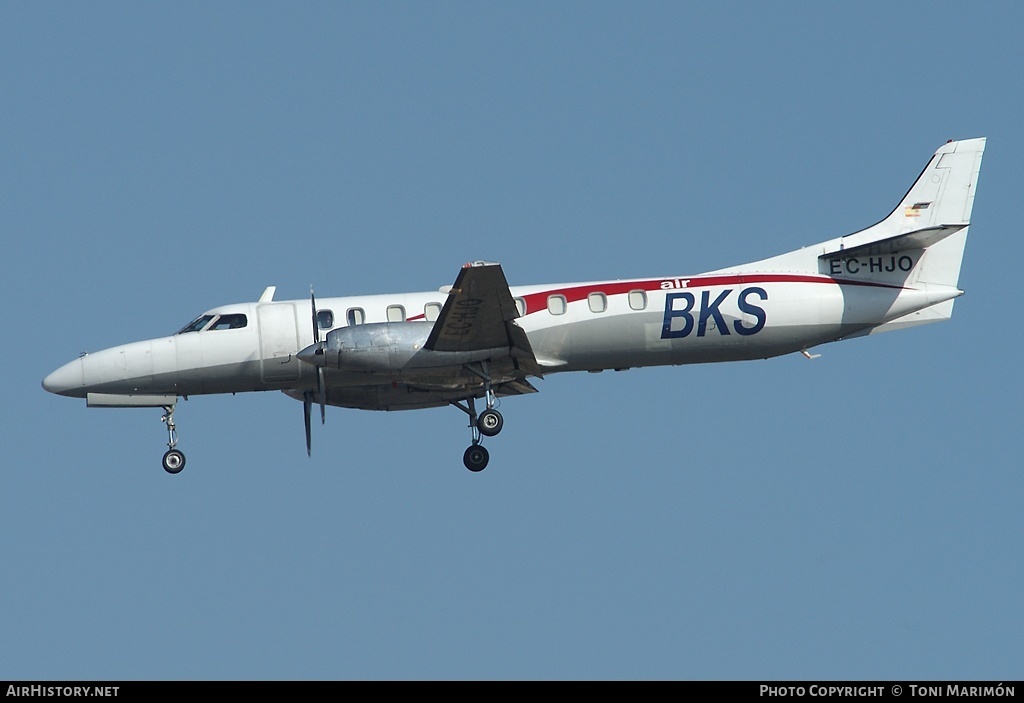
710, 311
873, 264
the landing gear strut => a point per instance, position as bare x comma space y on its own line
488, 424
174, 460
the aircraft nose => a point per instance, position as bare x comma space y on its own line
67, 380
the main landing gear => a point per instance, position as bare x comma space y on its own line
174, 460
487, 424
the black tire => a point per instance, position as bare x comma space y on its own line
476, 458
173, 461
490, 423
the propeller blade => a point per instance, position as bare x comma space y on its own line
321, 391
316, 327
323, 394
307, 402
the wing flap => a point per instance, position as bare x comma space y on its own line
521, 351
520, 387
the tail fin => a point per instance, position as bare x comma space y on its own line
924, 237
920, 244
933, 216
942, 195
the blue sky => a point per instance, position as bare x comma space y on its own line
856, 516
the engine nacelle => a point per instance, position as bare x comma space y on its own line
394, 348
378, 346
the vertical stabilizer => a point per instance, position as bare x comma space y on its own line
942, 195
930, 227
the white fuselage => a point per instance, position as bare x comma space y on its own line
571, 327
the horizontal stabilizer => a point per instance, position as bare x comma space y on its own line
918, 239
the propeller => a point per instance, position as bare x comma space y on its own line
307, 397
307, 402
321, 391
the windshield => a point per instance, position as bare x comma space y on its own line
229, 322
196, 324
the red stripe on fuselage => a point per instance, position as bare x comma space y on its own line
535, 302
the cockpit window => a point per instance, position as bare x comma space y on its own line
229, 322
196, 324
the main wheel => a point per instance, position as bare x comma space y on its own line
174, 461
490, 422
476, 458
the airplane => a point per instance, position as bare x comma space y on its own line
480, 339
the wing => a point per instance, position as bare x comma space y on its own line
480, 314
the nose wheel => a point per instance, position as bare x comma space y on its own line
173, 460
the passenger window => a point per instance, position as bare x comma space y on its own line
355, 316
521, 306
431, 311
598, 302
637, 299
556, 304
325, 319
229, 322
396, 313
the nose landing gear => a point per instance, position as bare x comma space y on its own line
173, 460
